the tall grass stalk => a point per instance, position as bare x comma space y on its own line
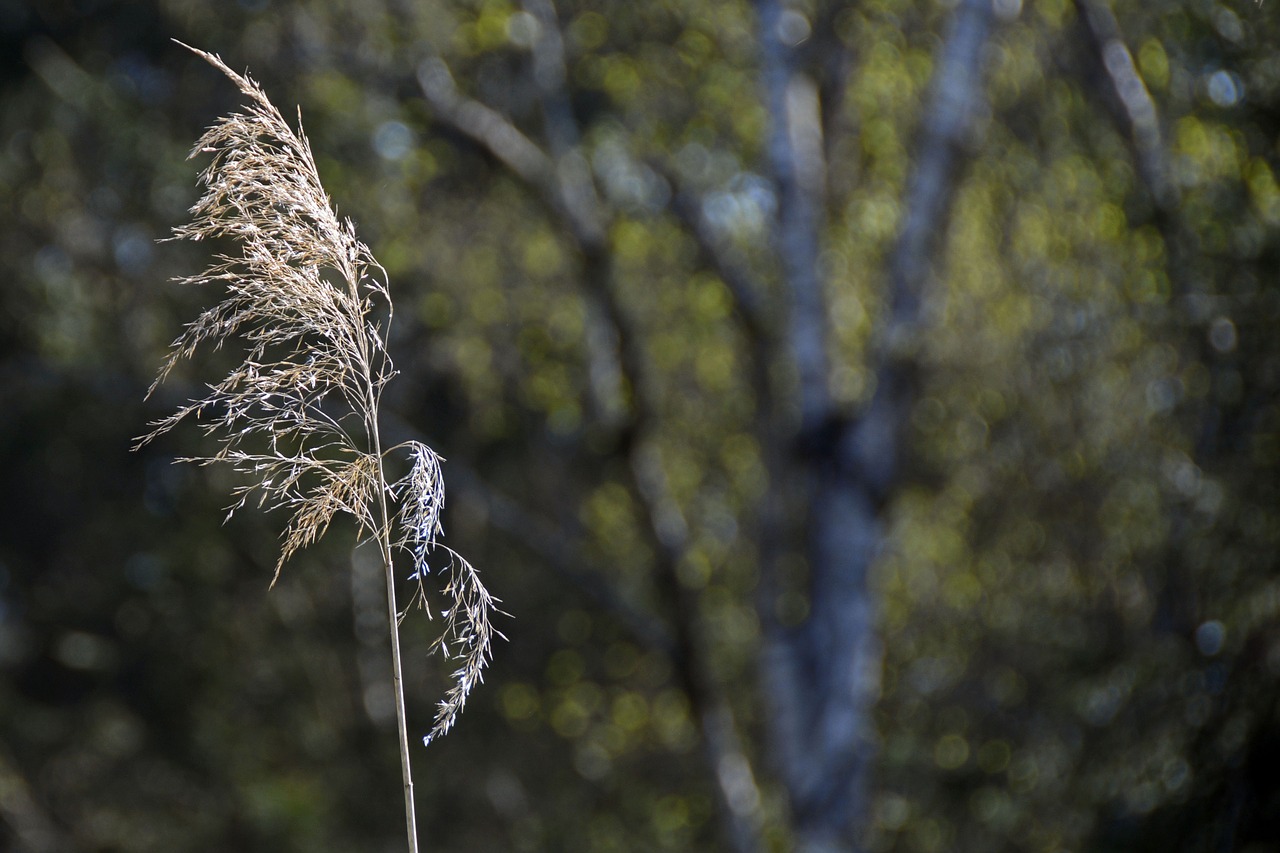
308, 305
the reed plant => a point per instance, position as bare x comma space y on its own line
308, 306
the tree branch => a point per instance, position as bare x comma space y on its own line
796, 163
1132, 100
564, 185
745, 290
485, 126
668, 531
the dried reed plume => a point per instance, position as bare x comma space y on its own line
299, 415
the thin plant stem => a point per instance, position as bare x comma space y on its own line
397, 672
393, 620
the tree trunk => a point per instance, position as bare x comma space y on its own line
823, 676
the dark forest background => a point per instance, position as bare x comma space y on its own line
867, 412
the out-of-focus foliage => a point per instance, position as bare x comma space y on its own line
1079, 603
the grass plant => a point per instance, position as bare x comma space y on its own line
308, 305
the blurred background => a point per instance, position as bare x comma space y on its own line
867, 412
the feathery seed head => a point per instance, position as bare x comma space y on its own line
299, 415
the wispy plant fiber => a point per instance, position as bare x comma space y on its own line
309, 305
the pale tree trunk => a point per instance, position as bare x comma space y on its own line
822, 677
